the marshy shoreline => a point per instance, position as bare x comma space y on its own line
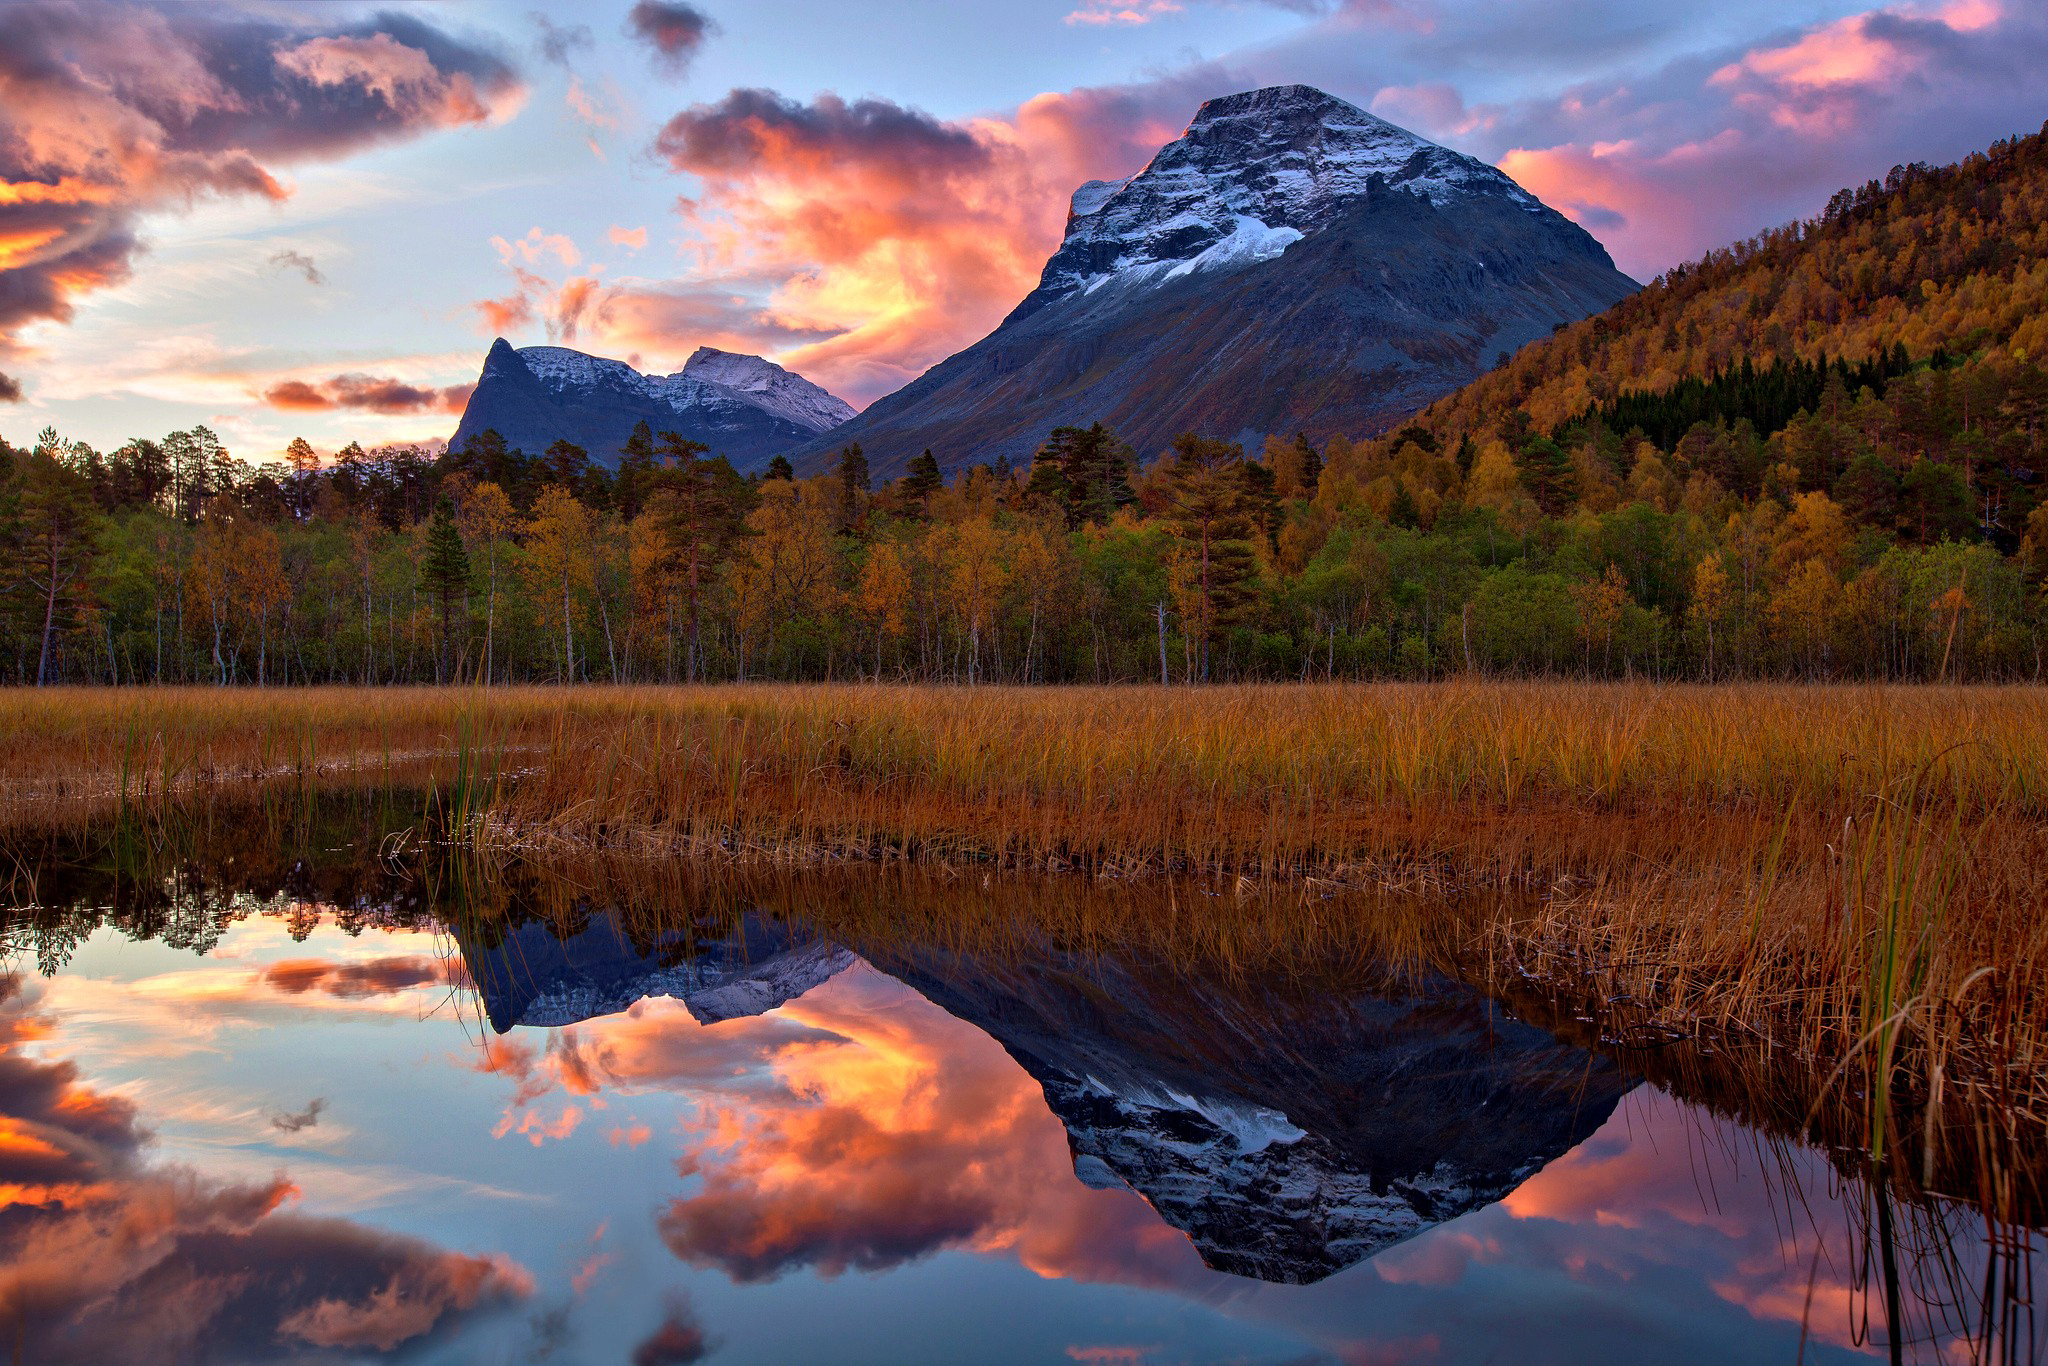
1847, 883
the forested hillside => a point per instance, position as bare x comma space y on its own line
1815, 454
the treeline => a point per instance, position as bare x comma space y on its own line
1896, 537
1819, 453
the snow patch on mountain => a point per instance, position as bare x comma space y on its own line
770, 387
708, 380
1257, 1195
1253, 175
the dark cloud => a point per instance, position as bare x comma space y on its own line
302, 263
10, 389
108, 1257
674, 30
678, 1340
303, 1120
370, 394
111, 111
750, 128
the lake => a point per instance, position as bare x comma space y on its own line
301, 1090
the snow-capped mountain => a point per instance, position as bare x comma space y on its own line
1255, 174
743, 407
1289, 1129
771, 387
1291, 262
535, 978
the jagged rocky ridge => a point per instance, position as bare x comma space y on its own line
745, 408
1290, 1131
536, 978
1290, 263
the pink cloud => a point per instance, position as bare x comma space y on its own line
109, 112
1100, 12
1669, 165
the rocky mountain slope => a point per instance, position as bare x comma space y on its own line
743, 407
1290, 263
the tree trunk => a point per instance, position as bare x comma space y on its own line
49, 619
1159, 608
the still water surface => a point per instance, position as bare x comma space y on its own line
297, 1124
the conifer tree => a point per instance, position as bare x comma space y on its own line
1211, 510
854, 484
444, 574
1308, 465
923, 480
780, 468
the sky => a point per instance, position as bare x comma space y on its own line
286, 220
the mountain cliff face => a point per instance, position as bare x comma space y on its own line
1291, 263
743, 407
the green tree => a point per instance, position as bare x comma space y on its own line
922, 481
1934, 503
854, 484
444, 574
51, 541
698, 507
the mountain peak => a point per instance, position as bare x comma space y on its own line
769, 385
1254, 173
1290, 263
742, 406
1278, 102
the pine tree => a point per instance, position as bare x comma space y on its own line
780, 468
636, 461
922, 481
1099, 476
1308, 465
1211, 510
50, 536
444, 574
854, 484
698, 510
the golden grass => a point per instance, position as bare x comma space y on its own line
1855, 878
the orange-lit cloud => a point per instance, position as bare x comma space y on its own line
366, 393
112, 111
892, 237
861, 1127
110, 1258
537, 245
632, 238
677, 1340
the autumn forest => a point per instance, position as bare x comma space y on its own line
1817, 454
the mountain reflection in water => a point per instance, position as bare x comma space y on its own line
1288, 1134
264, 1120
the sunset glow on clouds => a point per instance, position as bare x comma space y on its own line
857, 196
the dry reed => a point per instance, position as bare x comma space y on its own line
1852, 877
